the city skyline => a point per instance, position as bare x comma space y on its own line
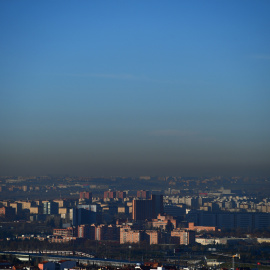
135, 88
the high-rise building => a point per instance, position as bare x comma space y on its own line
175, 210
86, 214
142, 209
157, 205
147, 209
7, 212
86, 231
50, 208
229, 220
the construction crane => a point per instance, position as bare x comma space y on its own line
232, 256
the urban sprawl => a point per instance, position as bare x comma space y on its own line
146, 222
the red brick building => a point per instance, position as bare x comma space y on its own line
127, 235
86, 231
84, 195
143, 194
191, 226
182, 237
7, 212
153, 237
106, 232
114, 194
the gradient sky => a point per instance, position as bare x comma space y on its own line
135, 87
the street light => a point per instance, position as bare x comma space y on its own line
129, 252
233, 256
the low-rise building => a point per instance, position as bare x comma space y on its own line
70, 231
163, 222
191, 226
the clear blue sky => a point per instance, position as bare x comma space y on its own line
135, 87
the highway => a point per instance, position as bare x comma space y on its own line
28, 256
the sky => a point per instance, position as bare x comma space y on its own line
130, 88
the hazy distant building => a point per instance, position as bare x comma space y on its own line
50, 208
226, 221
17, 206
121, 194
211, 206
244, 220
123, 209
87, 196
202, 200
143, 194
114, 194
175, 210
230, 220
27, 204
190, 202
36, 210
61, 203
261, 220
